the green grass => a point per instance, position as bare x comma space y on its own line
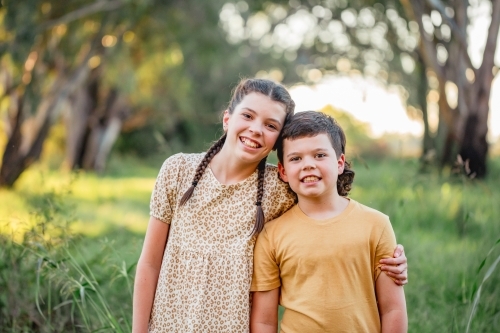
70, 242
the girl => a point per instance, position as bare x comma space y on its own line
195, 268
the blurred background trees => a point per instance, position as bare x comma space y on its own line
154, 75
421, 46
118, 85
156, 72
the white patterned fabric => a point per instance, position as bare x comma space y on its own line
207, 266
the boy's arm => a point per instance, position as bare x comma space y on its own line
264, 317
397, 266
391, 305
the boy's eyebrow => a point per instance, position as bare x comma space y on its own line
313, 150
253, 111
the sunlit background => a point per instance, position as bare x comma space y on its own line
96, 94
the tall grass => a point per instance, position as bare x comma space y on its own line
447, 224
55, 281
71, 268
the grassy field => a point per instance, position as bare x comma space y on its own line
69, 243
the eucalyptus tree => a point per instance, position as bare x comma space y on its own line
155, 72
48, 55
464, 85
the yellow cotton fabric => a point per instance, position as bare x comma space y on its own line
326, 268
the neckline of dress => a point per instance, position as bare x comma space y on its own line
241, 182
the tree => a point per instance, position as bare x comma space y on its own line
160, 69
463, 123
399, 43
46, 60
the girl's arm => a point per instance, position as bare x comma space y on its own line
391, 305
396, 267
148, 270
264, 317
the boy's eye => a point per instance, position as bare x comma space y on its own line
296, 158
320, 155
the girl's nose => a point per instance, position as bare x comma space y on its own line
256, 128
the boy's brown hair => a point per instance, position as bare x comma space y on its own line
311, 123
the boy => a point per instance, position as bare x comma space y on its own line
324, 252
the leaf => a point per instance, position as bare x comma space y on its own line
489, 252
478, 294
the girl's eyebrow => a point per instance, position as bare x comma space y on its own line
255, 112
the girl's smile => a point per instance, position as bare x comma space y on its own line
253, 128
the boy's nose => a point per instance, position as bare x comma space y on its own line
308, 164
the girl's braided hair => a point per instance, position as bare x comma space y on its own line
276, 92
312, 123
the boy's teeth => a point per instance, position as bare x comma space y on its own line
310, 179
249, 143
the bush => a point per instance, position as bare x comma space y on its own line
51, 284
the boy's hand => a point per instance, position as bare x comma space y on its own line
397, 267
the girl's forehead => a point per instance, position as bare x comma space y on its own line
260, 103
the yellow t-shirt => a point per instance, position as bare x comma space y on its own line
326, 268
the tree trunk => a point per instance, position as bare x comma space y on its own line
12, 159
95, 126
23, 150
423, 88
474, 149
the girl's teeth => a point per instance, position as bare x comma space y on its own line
249, 143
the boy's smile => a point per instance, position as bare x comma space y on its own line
311, 167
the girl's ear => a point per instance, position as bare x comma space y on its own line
225, 120
341, 164
282, 173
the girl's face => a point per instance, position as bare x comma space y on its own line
253, 127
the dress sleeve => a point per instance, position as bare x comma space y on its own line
278, 197
164, 196
385, 247
266, 274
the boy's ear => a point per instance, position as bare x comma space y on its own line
341, 164
282, 173
225, 120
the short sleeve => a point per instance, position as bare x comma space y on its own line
385, 247
278, 197
164, 196
266, 274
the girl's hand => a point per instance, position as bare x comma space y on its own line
397, 267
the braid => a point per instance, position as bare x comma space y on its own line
211, 152
259, 217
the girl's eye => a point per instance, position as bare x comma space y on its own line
274, 127
246, 115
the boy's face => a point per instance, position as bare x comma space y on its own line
311, 167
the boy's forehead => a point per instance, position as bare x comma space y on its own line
308, 142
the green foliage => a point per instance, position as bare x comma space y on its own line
55, 281
447, 225
68, 283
